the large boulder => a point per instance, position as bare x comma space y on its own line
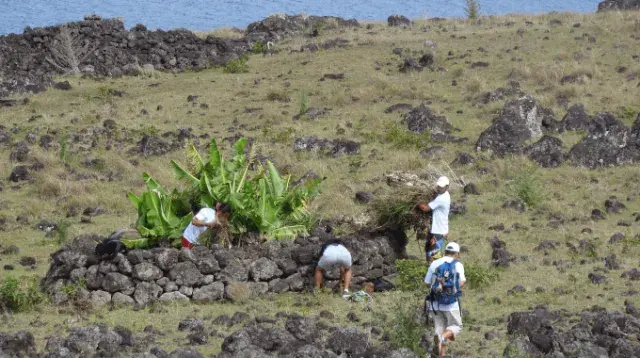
348, 340
547, 152
398, 20
186, 274
277, 26
209, 293
146, 272
519, 121
619, 5
18, 344
147, 292
576, 119
116, 282
264, 269
422, 119
605, 144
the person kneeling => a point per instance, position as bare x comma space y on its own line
333, 254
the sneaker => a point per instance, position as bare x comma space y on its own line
346, 294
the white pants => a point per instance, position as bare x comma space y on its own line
447, 321
335, 255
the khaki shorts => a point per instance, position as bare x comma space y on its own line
447, 321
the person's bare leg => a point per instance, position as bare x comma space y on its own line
318, 278
448, 335
347, 278
341, 283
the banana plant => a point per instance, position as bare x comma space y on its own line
157, 211
265, 202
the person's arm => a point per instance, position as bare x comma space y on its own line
424, 207
462, 277
428, 277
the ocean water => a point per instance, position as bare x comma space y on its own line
15, 15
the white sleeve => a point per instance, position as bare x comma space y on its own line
202, 214
460, 271
436, 203
429, 276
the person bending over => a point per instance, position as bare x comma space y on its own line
206, 218
335, 254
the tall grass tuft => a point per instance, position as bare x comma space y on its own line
304, 103
472, 9
238, 65
64, 148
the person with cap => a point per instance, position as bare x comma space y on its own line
439, 208
446, 277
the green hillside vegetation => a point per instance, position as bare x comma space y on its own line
259, 98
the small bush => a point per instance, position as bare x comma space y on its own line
258, 47
73, 289
304, 103
275, 96
525, 185
402, 138
479, 276
407, 329
20, 295
411, 275
472, 9
238, 65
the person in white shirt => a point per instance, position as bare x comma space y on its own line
334, 254
206, 218
439, 207
446, 317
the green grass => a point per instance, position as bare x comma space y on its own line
357, 105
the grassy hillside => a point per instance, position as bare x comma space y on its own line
535, 51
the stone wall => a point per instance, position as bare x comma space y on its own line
204, 275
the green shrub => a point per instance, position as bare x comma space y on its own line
238, 65
258, 47
402, 138
395, 209
408, 329
472, 9
411, 275
262, 201
525, 185
479, 276
20, 295
73, 289
276, 96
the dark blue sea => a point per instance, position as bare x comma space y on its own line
15, 15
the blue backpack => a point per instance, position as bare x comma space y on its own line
446, 288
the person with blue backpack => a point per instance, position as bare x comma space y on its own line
446, 278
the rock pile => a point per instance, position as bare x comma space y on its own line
306, 337
592, 333
103, 47
203, 275
619, 5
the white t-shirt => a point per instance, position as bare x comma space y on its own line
440, 207
430, 279
192, 232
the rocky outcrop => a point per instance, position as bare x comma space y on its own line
592, 333
619, 5
519, 121
608, 143
422, 119
104, 48
203, 275
278, 26
306, 337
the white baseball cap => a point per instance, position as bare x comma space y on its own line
452, 247
442, 182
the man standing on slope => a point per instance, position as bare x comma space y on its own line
206, 218
445, 277
439, 207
